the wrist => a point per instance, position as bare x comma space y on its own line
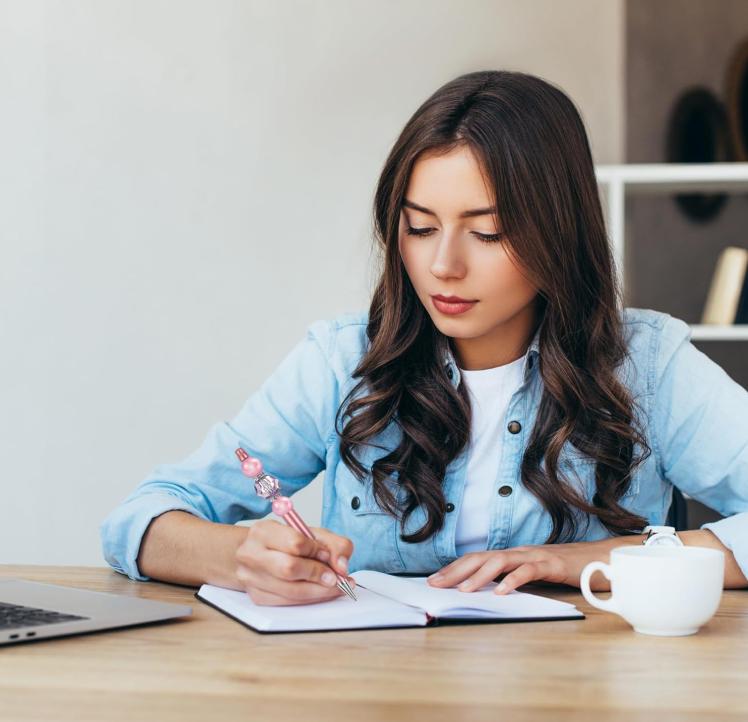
220, 561
621, 541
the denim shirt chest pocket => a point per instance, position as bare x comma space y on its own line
371, 529
579, 471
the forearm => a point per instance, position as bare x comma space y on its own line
734, 577
181, 548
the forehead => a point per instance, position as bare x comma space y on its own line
449, 183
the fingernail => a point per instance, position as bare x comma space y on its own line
343, 564
328, 578
436, 576
323, 555
501, 588
464, 586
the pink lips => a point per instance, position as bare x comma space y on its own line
452, 305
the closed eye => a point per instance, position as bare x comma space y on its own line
485, 237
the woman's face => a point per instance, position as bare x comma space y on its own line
459, 255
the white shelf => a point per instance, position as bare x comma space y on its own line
666, 178
675, 177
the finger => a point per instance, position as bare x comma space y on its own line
457, 570
280, 595
264, 573
265, 586
301, 590
501, 562
293, 568
492, 567
281, 537
259, 555
262, 597
340, 547
501, 559
523, 574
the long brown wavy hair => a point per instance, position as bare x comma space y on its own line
534, 153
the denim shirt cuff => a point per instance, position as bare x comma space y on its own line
732, 531
122, 531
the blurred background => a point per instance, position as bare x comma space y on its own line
184, 183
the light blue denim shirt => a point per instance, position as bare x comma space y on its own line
695, 419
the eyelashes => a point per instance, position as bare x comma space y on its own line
485, 237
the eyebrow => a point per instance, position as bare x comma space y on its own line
465, 214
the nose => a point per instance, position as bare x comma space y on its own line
447, 261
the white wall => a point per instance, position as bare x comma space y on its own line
180, 177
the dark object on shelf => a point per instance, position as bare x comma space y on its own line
741, 315
736, 100
697, 133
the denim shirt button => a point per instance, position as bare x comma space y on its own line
355, 502
505, 490
450, 506
514, 427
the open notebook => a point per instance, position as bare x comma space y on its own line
385, 600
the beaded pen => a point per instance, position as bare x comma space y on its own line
268, 487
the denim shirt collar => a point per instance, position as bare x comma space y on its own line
453, 372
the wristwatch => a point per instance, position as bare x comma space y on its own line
661, 535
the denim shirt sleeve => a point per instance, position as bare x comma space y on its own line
286, 423
700, 433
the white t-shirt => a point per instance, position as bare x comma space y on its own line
490, 392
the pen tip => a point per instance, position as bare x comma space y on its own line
349, 591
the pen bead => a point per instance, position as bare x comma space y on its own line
252, 466
282, 506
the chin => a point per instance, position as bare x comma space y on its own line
456, 327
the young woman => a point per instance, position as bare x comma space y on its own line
496, 413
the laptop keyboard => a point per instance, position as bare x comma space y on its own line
13, 616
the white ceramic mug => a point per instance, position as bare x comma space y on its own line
663, 590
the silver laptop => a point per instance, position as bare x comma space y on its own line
33, 610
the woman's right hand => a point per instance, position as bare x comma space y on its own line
278, 565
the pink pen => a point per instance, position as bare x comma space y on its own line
268, 487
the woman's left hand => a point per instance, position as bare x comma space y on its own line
557, 563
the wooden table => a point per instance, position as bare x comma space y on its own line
209, 667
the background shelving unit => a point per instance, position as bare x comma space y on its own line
619, 181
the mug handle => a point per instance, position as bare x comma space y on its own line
607, 605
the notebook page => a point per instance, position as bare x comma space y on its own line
452, 603
371, 610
